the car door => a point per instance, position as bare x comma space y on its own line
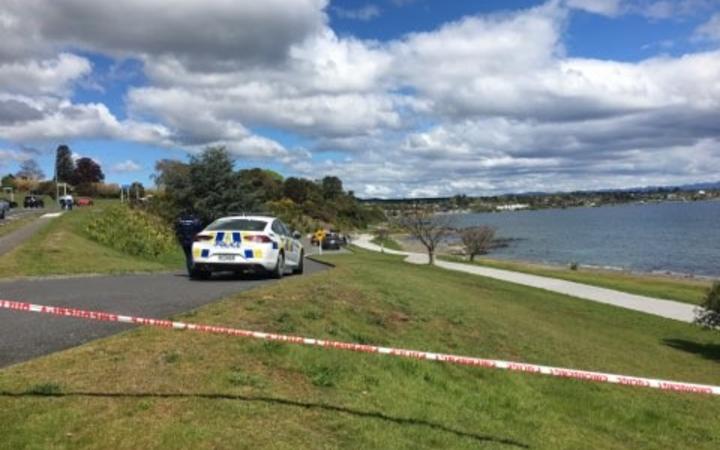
293, 248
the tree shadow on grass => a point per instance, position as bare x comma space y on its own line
707, 351
280, 401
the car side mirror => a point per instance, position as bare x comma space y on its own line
296, 235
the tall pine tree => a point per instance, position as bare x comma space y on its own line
64, 164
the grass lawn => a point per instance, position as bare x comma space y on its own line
683, 290
389, 243
152, 388
62, 247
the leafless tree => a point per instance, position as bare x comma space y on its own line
427, 228
382, 234
477, 240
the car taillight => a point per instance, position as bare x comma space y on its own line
202, 237
258, 239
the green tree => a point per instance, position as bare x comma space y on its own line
64, 164
172, 179
264, 183
332, 187
297, 189
8, 181
137, 190
215, 189
87, 171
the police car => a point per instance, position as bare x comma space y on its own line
247, 243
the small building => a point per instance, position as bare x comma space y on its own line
512, 207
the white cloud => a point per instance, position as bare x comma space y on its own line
127, 166
709, 30
12, 156
365, 13
211, 32
328, 86
488, 103
53, 76
603, 7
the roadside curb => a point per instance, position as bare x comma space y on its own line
84, 275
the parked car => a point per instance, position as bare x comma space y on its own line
4, 208
332, 241
84, 201
33, 201
247, 243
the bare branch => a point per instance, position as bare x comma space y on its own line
477, 240
427, 228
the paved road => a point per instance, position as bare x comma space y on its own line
655, 306
25, 336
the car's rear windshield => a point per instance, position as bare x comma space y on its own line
237, 224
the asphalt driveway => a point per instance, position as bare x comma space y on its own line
24, 336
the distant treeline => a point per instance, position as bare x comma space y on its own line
209, 186
550, 200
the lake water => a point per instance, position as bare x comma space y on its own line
674, 237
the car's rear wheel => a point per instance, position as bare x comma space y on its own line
279, 270
301, 264
198, 274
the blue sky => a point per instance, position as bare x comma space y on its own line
397, 97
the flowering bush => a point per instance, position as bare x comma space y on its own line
709, 314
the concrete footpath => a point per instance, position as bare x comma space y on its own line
664, 308
17, 237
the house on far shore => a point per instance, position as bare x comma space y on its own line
512, 207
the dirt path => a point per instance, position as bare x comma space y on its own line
658, 307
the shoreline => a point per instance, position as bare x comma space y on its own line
447, 251
568, 207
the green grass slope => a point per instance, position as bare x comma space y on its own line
152, 388
65, 247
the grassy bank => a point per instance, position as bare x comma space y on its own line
151, 388
388, 243
670, 288
64, 247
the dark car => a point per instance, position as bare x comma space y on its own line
33, 201
4, 208
332, 241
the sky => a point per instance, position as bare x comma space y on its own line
399, 98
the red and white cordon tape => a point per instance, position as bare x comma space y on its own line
363, 348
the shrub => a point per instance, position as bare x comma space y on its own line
99, 190
132, 231
709, 313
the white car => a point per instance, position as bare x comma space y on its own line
242, 243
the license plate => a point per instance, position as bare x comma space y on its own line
226, 257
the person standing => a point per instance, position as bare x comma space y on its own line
186, 227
